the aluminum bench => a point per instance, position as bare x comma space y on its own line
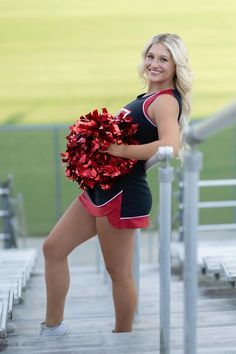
16, 266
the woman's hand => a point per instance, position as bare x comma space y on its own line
116, 150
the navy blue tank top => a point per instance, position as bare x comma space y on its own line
134, 183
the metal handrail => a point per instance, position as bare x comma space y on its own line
206, 204
195, 135
164, 153
163, 156
217, 183
218, 204
198, 133
214, 183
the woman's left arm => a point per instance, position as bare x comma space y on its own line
164, 111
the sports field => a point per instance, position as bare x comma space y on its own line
60, 59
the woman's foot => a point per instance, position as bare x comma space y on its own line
61, 330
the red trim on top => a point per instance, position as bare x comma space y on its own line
150, 99
112, 211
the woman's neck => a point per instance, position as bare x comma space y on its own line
153, 89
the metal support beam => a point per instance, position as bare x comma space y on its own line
192, 166
165, 177
136, 268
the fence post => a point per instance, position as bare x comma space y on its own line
181, 206
9, 236
192, 166
136, 268
166, 178
57, 165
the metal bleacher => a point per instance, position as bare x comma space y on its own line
216, 259
16, 264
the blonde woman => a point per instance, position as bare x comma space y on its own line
161, 114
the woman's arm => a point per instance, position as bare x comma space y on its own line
164, 111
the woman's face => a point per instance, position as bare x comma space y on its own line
159, 66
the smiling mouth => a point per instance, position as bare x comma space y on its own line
154, 71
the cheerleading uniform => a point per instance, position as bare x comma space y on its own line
128, 202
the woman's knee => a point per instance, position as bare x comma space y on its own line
51, 250
119, 274
47, 248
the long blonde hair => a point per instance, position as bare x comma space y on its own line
183, 76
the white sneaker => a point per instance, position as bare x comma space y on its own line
61, 330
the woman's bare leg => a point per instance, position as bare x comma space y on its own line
118, 248
75, 227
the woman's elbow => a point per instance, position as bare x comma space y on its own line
176, 146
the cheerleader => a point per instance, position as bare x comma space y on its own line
161, 113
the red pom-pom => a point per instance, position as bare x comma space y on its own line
91, 134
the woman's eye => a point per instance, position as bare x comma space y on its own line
150, 56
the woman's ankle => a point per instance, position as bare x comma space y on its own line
52, 323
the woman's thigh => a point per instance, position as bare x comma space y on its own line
74, 227
117, 247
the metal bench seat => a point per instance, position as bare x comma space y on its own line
3, 318
18, 259
206, 249
228, 268
212, 266
16, 266
8, 296
6, 310
16, 286
12, 273
18, 254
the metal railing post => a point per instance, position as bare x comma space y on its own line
9, 235
164, 154
192, 166
136, 268
181, 207
166, 178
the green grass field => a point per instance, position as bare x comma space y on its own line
61, 59
29, 156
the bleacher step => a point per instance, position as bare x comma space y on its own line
89, 309
145, 342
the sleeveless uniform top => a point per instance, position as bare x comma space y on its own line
128, 202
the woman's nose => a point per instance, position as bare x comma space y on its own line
155, 64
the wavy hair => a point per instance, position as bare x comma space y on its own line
183, 75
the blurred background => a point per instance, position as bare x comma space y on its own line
61, 59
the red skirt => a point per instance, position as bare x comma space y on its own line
112, 210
